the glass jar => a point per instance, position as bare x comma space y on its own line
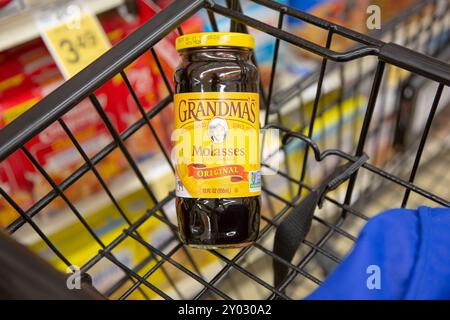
218, 181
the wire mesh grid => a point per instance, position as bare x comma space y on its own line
405, 157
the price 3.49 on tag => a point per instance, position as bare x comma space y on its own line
72, 34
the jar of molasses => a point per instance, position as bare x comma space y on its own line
216, 140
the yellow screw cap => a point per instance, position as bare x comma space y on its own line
215, 39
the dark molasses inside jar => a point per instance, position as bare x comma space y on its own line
218, 177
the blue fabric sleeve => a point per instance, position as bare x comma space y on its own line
431, 277
409, 248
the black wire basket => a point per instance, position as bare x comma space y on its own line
397, 124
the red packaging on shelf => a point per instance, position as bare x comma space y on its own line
28, 75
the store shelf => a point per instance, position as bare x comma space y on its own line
19, 28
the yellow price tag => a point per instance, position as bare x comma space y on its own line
73, 36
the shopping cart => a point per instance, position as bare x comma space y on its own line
378, 92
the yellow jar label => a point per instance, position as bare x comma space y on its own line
217, 147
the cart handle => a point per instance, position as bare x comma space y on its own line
415, 62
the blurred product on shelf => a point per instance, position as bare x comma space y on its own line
8, 7
390, 8
4, 3
343, 12
166, 52
351, 14
28, 73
